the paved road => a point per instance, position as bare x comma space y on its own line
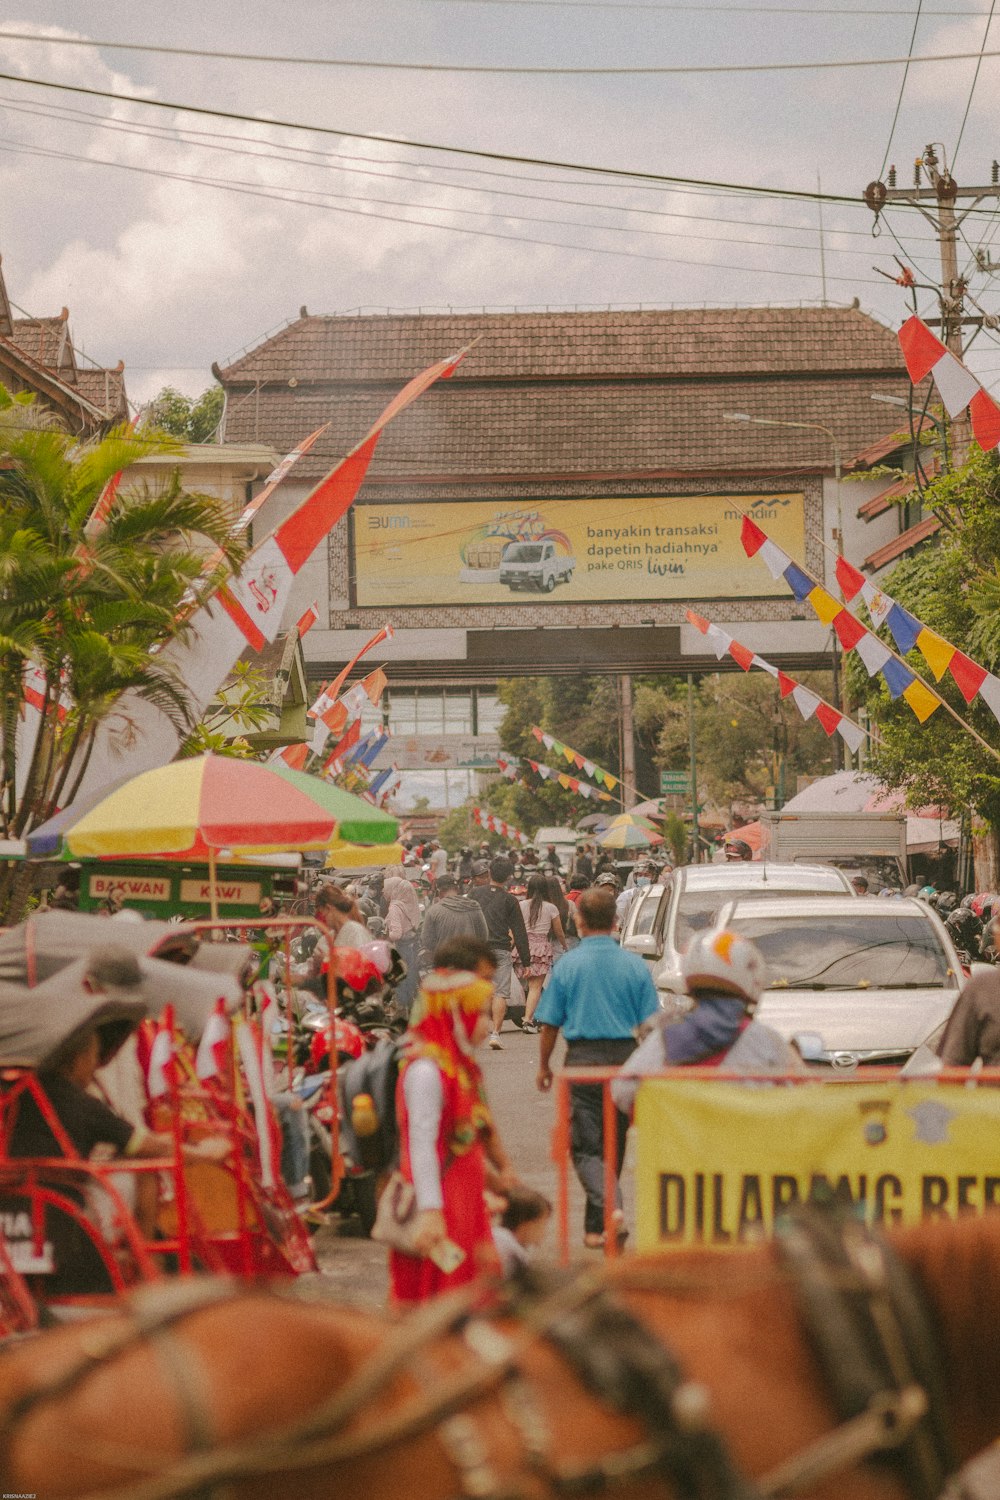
356, 1267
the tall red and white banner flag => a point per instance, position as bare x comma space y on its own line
98, 518
160, 1069
210, 1061
136, 734
307, 620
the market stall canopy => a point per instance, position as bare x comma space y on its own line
628, 836
927, 828
345, 856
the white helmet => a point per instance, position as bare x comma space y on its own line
725, 962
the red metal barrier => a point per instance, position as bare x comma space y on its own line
564, 1078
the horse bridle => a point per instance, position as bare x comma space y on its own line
863, 1313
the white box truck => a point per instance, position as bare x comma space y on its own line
865, 843
535, 565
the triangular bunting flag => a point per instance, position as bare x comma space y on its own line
774, 559
829, 717
904, 628
751, 536
968, 675
806, 702
849, 630
741, 656
850, 580
897, 677
935, 652
873, 653
786, 684
826, 606
990, 694
852, 735
921, 700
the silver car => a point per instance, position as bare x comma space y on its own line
852, 981
663, 919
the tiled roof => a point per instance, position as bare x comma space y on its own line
893, 442
573, 393
47, 340
905, 542
104, 388
880, 503
677, 343
571, 427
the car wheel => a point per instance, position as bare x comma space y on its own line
549, 583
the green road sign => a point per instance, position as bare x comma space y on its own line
675, 782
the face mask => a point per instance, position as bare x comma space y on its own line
642, 880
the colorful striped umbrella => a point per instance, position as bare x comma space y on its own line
197, 807
628, 836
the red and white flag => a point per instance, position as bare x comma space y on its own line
210, 1061
307, 620
958, 388
160, 1071
137, 734
292, 756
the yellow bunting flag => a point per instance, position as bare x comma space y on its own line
936, 652
921, 700
826, 606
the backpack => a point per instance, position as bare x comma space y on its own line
374, 1073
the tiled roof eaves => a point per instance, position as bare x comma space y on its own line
880, 503
905, 542
40, 372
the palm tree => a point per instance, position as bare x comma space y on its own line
84, 608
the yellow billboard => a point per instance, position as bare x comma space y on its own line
717, 1162
566, 551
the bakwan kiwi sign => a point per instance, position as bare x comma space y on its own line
569, 550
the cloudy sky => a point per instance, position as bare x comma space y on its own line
102, 209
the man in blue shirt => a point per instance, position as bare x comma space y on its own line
597, 995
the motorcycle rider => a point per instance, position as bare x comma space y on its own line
725, 976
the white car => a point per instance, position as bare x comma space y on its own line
852, 981
663, 920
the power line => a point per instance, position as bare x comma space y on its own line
501, 213
503, 69
780, 10
902, 88
972, 90
332, 162
259, 192
661, 178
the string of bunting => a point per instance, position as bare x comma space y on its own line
511, 769
958, 388
574, 758
806, 701
908, 632
853, 636
490, 821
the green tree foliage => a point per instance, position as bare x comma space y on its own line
742, 725
242, 706
192, 419
88, 610
954, 588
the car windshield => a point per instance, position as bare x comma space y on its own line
644, 912
522, 552
855, 952
697, 910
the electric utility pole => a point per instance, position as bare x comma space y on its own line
933, 183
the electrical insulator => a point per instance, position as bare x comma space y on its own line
995, 173
892, 175
916, 172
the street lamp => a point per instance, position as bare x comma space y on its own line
743, 416
905, 405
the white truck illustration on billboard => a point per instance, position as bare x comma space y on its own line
534, 565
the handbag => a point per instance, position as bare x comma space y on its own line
396, 1216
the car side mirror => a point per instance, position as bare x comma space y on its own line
809, 1045
644, 944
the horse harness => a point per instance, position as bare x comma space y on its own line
868, 1327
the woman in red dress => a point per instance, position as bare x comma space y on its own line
445, 1130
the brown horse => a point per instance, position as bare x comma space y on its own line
251, 1396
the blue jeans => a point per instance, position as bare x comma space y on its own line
587, 1124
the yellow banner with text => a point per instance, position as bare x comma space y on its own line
568, 551
717, 1162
